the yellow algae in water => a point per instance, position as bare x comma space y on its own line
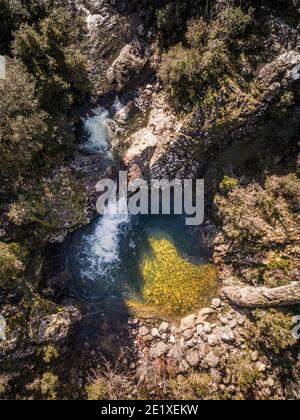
171, 281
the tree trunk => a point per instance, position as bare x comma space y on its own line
262, 297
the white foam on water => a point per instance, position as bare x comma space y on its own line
100, 251
102, 248
97, 131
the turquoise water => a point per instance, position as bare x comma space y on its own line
104, 258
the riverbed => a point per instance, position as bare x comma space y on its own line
154, 259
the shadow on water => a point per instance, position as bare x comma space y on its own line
104, 279
102, 270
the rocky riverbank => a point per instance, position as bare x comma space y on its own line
241, 135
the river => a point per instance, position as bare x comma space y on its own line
153, 259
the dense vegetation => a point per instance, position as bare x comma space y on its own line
202, 49
50, 53
206, 56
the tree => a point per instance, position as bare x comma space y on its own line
22, 122
14, 13
51, 55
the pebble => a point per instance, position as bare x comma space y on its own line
133, 322
216, 303
261, 366
192, 358
183, 366
212, 340
188, 322
172, 339
143, 331
254, 356
174, 330
233, 324
204, 314
200, 329
164, 327
189, 344
207, 328
203, 350
155, 332
188, 334
212, 360
227, 335
160, 349
216, 376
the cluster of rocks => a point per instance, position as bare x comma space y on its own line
206, 342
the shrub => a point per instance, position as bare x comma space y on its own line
242, 370
11, 263
200, 385
50, 353
97, 390
107, 385
231, 23
22, 123
170, 18
196, 386
247, 377
4, 384
274, 330
51, 55
14, 13
228, 185
47, 386
187, 71
278, 270
196, 32
262, 215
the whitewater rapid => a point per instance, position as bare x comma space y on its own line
100, 249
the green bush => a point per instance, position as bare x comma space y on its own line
247, 376
200, 385
262, 214
278, 270
228, 185
50, 353
14, 13
47, 386
51, 54
274, 330
97, 390
11, 263
188, 70
231, 23
4, 384
22, 123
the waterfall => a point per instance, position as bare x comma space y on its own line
100, 250
97, 132
102, 247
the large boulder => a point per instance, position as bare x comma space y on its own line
129, 65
